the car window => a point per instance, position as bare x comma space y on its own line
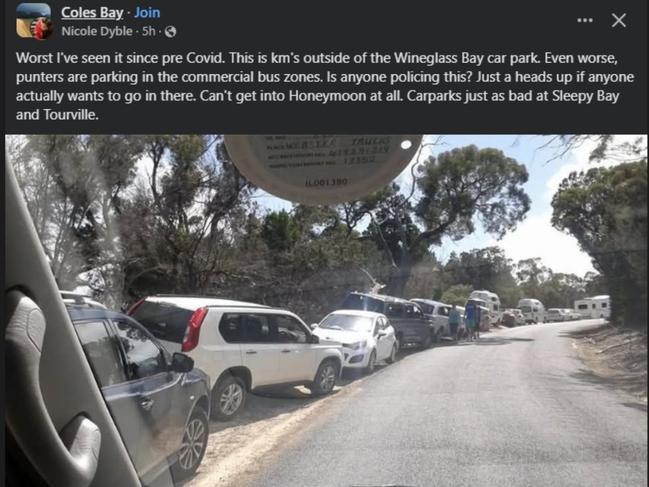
102, 351
377, 327
416, 312
339, 321
384, 323
394, 310
163, 320
427, 308
363, 303
443, 310
231, 328
258, 328
143, 357
289, 330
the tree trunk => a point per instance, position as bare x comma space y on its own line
400, 276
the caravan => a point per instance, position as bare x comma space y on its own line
492, 302
533, 310
594, 307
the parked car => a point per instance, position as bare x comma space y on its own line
366, 337
407, 319
159, 401
573, 314
79, 299
514, 317
508, 319
556, 314
242, 346
437, 313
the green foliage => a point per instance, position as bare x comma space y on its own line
453, 191
279, 231
136, 215
456, 294
468, 183
605, 209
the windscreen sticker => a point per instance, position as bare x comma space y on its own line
321, 169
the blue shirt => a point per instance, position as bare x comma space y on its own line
470, 313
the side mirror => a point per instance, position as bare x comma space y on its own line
313, 326
315, 339
181, 363
381, 333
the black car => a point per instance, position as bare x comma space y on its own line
410, 324
160, 403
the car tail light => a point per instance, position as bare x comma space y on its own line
132, 309
190, 342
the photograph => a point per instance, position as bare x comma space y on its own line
223, 322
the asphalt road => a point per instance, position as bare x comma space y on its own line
515, 408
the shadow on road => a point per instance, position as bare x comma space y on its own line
629, 384
272, 402
493, 341
635, 405
584, 332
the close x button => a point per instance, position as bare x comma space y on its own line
618, 20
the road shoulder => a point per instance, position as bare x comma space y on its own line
615, 357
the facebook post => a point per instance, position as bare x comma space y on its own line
337, 244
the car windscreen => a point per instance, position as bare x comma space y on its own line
361, 302
526, 309
347, 323
165, 321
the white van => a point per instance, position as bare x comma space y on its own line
492, 302
594, 307
533, 310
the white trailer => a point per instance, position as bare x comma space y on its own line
594, 307
492, 302
532, 309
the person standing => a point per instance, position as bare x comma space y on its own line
478, 322
470, 313
454, 321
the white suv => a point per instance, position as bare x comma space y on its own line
241, 346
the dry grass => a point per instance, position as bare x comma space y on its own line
618, 356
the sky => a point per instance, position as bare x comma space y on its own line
535, 236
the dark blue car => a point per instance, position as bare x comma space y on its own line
160, 403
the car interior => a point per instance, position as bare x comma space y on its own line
58, 427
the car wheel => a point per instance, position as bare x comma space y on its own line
325, 378
193, 446
228, 397
371, 363
393, 353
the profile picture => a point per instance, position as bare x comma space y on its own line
34, 20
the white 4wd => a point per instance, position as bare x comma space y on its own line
241, 346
